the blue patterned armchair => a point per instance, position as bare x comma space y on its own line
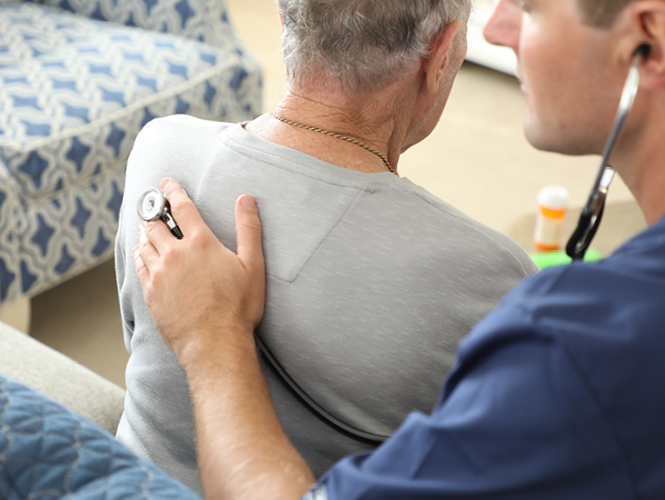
78, 80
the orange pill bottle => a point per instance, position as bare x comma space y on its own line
552, 206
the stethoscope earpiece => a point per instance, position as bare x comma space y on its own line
643, 50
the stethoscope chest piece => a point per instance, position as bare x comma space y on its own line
153, 205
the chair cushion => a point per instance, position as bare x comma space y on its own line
48, 452
74, 93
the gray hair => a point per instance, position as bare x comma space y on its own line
363, 44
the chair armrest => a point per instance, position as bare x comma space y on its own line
32, 363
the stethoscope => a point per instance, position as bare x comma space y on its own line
153, 205
592, 214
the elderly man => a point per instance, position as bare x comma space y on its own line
556, 394
372, 281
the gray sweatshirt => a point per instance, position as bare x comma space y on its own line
372, 282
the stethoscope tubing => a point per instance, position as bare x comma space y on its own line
593, 210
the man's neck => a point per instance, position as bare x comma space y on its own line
379, 120
640, 161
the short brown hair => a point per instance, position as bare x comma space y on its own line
601, 13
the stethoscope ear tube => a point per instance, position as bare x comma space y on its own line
592, 214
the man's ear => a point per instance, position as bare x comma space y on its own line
440, 56
647, 22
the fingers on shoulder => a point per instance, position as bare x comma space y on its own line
141, 269
158, 248
183, 209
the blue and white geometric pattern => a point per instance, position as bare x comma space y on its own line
74, 93
48, 452
189, 18
10, 219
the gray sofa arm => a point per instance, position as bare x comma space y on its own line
30, 362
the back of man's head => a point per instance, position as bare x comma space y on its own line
361, 44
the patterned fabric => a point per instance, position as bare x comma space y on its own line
48, 452
10, 220
202, 20
74, 93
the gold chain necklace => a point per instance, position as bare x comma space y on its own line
339, 136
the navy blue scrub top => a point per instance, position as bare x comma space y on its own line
557, 394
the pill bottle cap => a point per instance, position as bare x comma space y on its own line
553, 196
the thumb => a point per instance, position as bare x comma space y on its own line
248, 230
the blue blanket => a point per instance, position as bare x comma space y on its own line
48, 452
